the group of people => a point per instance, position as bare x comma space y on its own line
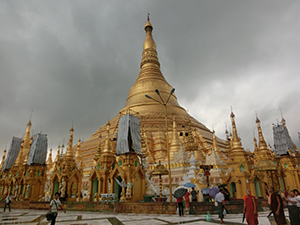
293, 204
276, 206
52, 209
184, 202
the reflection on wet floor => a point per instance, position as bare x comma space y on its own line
37, 217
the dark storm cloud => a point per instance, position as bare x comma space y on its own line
76, 60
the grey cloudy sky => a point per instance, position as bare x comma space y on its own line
76, 60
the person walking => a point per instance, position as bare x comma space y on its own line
275, 202
221, 204
180, 206
194, 195
293, 209
54, 207
250, 208
7, 202
187, 200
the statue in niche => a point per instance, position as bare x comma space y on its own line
128, 189
27, 192
109, 187
73, 189
63, 189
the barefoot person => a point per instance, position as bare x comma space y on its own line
54, 207
187, 200
180, 206
250, 208
7, 202
221, 203
293, 209
276, 206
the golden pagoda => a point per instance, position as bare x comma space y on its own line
152, 118
93, 169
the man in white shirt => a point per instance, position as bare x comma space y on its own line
221, 202
54, 207
296, 192
7, 202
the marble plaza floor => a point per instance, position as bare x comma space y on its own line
37, 217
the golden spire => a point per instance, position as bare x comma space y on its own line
150, 76
98, 152
107, 144
25, 146
3, 159
215, 142
175, 143
49, 160
69, 152
261, 143
57, 154
236, 141
78, 155
255, 145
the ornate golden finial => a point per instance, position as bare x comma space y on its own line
49, 161
3, 158
107, 144
57, 154
148, 16
78, 155
261, 143
69, 152
255, 145
236, 141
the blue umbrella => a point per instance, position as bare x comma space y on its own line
205, 191
189, 185
213, 192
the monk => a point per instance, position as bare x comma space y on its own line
187, 200
250, 208
276, 206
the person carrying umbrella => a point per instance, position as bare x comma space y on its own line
180, 206
250, 208
219, 198
178, 194
225, 191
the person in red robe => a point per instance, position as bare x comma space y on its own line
187, 200
276, 206
250, 208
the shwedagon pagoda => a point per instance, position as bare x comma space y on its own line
118, 160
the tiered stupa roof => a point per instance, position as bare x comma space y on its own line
151, 113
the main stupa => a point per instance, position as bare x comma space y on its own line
182, 128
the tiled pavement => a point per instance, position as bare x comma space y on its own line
37, 217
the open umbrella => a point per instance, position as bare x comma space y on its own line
205, 191
222, 185
213, 192
179, 192
189, 185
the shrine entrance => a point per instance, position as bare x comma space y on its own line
118, 188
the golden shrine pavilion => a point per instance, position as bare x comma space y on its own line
94, 167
